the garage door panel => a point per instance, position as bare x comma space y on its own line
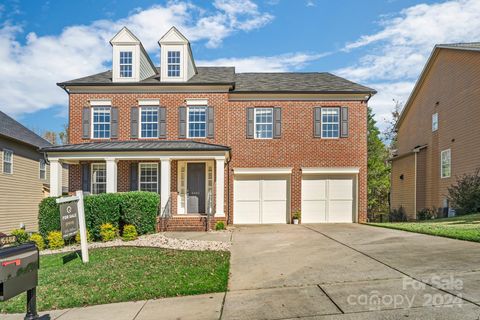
314, 189
274, 190
314, 211
247, 212
340, 211
249, 190
274, 212
341, 189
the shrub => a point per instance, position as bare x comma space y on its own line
426, 214
55, 240
22, 235
48, 216
297, 214
38, 239
129, 233
101, 209
220, 225
397, 215
89, 237
464, 196
140, 209
108, 232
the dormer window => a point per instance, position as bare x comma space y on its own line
125, 64
173, 63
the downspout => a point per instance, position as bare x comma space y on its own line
228, 190
415, 185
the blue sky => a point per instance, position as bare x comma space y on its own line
380, 43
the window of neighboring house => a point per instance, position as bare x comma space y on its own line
446, 163
149, 122
173, 63
7, 161
125, 64
99, 178
263, 123
101, 122
148, 177
330, 122
43, 169
197, 122
434, 122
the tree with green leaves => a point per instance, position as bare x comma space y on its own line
378, 178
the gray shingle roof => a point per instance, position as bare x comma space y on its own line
464, 46
162, 145
15, 130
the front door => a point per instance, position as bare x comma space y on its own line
196, 187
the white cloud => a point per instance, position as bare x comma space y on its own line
30, 70
395, 55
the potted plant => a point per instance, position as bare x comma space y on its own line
296, 217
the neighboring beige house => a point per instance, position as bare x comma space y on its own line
438, 130
24, 175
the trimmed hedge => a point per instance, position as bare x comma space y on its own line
137, 208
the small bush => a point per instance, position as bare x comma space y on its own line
89, 237
426, 214
55, 240
297, 214
129, 233
108, 232
220, 225
140, 209
397, 215
464, 196
48, 216
38, 239
22, 235
102, 209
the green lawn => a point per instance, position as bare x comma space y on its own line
465, 227
124, 274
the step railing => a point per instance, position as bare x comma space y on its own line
165, 214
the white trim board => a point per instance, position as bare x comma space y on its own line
238, 171
331, 170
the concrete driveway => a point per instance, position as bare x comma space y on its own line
350, 271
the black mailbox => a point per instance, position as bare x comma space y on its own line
18, 270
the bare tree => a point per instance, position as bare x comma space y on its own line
390, 133
63, 135
50, 136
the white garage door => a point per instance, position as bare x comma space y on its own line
260, 199
327, 199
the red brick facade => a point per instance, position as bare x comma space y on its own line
296, 148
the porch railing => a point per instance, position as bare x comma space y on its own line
165, 214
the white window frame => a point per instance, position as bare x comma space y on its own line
92, 127
435, 122
3, 161
140, 165
263, 123
40, 169
188, 121
92, 180
325, 109
120, 64
449, 158
140, 122
179, 64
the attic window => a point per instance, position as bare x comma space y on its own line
173, 63
125, 64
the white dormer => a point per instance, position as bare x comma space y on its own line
176, 57
130, 61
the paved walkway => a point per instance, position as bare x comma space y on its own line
325, 272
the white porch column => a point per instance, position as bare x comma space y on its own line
111, 175
55, 178
164, 182
219, 191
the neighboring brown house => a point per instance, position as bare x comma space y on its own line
438, 130
247, 147
24, 175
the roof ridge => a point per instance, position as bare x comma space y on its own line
17, 123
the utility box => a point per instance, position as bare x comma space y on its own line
18, 270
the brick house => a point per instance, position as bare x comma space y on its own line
245, 147
438, 130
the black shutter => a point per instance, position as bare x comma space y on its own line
210, 122
133, 176
86, 123
250, 123
134, 122
317, 122
277, 123
344, 122
114, 122
182, 122
162, 123
85, 177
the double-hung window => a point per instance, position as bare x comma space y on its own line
197, 122
173, 63
330, 122
446, 163
434, 122
101, 122
7, 161
148, 177
43, 169
99, 178
125, 64
149, 122
263, 123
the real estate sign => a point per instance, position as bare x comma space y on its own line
69, 219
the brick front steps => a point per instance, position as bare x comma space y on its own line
186, 223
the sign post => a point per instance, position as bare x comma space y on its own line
72, 220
